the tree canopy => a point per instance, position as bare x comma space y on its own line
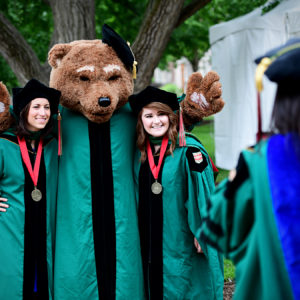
159, 30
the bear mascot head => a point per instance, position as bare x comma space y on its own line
95, 76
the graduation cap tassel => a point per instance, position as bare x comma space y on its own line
134, 70
260, 70
182, 141
59, 134
259, 133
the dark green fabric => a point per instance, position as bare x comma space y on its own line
12, 221
155, 140
250, 237
186, 274
75, 269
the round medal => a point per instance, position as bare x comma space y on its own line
36, 195
156, 188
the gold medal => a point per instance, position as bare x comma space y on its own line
156, 188
36, 195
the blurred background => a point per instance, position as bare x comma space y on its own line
170, 41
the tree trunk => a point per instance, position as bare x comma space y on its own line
195, 62
161, 18
73, 20
159, 22
19, 55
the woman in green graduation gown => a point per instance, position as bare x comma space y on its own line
173, 185
254, 218
28, 176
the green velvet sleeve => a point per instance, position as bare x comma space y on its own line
200, 187
229, 220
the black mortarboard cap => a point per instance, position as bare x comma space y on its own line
34, 89
152, 94
111, 38
284, 62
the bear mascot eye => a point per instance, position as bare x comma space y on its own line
114, 78
84, 78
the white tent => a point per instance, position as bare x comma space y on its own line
235, 45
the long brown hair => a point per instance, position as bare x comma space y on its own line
286, 110
172, 132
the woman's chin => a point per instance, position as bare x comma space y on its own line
158, 133
37, 127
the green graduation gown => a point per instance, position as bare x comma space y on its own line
241, 224
169, 222
27, 228
97, 242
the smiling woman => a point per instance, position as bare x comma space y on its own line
155, 122
39, 114
28, 175
174, 182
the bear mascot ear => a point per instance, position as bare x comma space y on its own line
6, 118
203, 97
56, 54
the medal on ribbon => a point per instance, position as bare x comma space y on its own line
36, 194
156, 187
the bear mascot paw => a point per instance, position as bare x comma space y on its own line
203, 97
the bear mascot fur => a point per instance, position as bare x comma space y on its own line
97, 242
5, 117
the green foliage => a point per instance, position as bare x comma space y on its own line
229, 270
7, 75
270, 6
172, 88
125, 16
34, 21
191, 39
205, 133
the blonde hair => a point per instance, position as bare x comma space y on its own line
172, 132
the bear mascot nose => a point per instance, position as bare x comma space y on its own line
104, 101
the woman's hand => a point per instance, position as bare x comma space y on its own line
232, 175
197, 245
3, 205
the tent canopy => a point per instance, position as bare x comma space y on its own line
235, 45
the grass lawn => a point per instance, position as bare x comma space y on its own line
205, 133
